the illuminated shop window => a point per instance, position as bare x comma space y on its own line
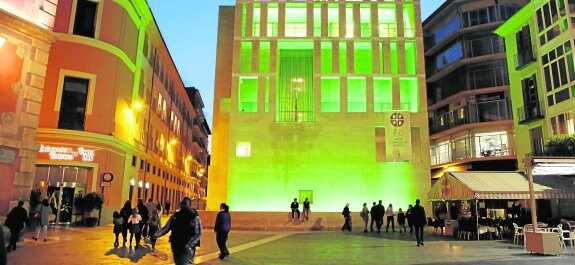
382, 94
330, 94
356, 94
491, 144
85, 19
295, 20
73, 104
363, 59
409, 94
408, 21
248, 94
387, 24
244, 149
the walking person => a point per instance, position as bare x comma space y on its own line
118, 225
222, 228
306, 209
379, 212
419, 221
44, 214
151, 207
401, 221
159, 209
365, 216
3, 258
154, 225
125, 213
390, 218
167, 207
134, 222
409, 217
15, 222
294, 209
143, 211
186, 227
372, 213
347, 218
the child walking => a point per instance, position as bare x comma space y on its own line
118, 220
135, 229
401, 220
154, 225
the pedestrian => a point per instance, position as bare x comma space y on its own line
118, 222
159, 209
380, 210
222, 228
401, 221
151, 206
372, 213
186, 227
154, 225
419, 221
294, 209
134, 222
43, 221
3, 258
365, 216
347, 218
167, 207
143, 211
390, 215
306, 209
15, 222
125, 213
409, 216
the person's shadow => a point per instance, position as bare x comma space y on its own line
135, 255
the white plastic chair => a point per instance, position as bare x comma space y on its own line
517, 233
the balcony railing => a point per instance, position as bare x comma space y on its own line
472, 113
530, 113
449, 155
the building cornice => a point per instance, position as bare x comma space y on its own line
516, 21
23, 26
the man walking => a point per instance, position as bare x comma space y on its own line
379, 212
186, 227
372, 213
15, 222
222, 228
419, 221
390, 215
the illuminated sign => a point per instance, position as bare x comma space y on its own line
68, 153
398, 136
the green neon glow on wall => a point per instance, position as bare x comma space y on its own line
267, 95
330, 94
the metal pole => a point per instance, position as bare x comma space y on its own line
100, 211
529, 168
477, 217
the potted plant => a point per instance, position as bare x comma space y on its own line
92, 201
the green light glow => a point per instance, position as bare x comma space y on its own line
244, 13
248, 94
356, 94
326, 57
342, 57
410, 57
409, 94
382, 94
363, 61
394, 57
264, 56
246, 57
330, 94
409, 21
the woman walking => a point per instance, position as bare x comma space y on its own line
401, 221
154, 225
222, 228
125, 213
118, 221
347, 218
44, 215
365, 216
135, 229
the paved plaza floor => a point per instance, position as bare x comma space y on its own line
95, 246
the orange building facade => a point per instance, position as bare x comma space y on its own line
115, 115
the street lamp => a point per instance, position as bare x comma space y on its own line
2, 41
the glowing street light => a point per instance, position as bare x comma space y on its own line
2, 41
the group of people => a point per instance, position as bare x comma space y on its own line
415, 216
185, 226
295, 210
18, 217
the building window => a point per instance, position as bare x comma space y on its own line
248, 94
382, 94
409, 94
363, 59
85, 20
387, 23
134, 159
330, 94
524, 47
491, 144
73, 103
409, 21
295, 84
295, 20
243, 149
356, 94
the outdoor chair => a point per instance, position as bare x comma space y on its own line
517, 233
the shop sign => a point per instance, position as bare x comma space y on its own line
7, 155
68, 153
398, 136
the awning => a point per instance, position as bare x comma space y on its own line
471, 185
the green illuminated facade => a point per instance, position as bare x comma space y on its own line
319, 99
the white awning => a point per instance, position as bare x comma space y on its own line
470, 185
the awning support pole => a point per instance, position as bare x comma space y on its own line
528, 162
477, 217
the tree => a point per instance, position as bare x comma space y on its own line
560, 145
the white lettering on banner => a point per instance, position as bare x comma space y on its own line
398, 136
68, 153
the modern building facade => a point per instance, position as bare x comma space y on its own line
115, 115
25, 40
470, 114
322, 100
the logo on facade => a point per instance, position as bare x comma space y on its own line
397, 119
68, 153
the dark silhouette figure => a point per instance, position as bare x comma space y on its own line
401, 221
409, 216
143, 211
419, 221
372, 214
379, 212
125, 213
347, 218
294, 209
15, 222
222, 228
118, 225
306, 209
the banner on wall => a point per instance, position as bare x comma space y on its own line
398, 136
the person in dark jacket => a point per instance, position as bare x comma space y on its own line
372, 213
419, 221
409, 217
379, 212
294, 209
347, 218
125, 213
222, 228
143, 211
3, 259
15, 222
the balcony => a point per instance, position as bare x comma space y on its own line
490, 111
468, 153
530, 113
524, 58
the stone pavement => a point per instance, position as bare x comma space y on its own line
95, 246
